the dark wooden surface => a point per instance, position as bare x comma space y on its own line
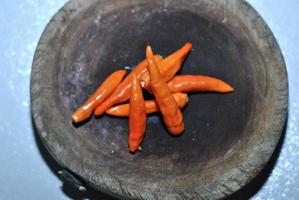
228, 138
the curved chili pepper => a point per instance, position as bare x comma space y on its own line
170, 111
169, 66
122, 92
190, 83
137, 116
151, 106
100, 95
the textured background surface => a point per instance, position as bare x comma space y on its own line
24, 171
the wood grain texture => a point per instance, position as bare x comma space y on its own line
228, 138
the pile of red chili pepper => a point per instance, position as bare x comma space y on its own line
158, 76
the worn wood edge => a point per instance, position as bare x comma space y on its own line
249, 169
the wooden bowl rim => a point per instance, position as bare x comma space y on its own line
248, 169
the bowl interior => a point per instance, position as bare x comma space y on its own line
102, 37
214, 122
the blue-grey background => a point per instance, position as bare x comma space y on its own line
24, 173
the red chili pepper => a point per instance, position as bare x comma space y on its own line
190, 83
100, 95
151, 106
169, 66
170, 111
137, 116
122, 92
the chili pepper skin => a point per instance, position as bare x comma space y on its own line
151, 106
169, 66
170, 111
198, 83
99, 96
137, 116
122, 92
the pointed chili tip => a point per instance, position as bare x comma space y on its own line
75, 118
177, 130
188, 45
80, 115
133, 149
122, 72
149, 51
230, 89
186, 49
227, 88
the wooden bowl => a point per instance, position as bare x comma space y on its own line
228, 138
